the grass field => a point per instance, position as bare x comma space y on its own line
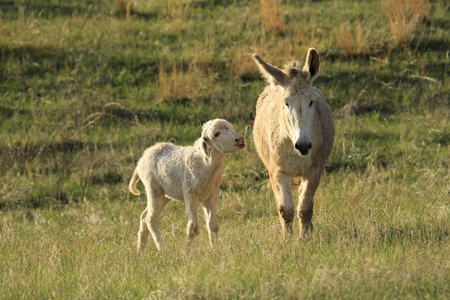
86, 86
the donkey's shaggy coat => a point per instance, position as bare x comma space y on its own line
294, 135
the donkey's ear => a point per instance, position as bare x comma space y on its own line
312, 65
206, 150
273, 75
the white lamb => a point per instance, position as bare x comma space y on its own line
189, 173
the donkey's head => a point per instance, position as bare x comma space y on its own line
296, 95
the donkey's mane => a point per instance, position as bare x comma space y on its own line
292, 68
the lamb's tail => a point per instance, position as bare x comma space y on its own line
134, 180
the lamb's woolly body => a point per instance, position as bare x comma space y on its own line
191, 174
177, 169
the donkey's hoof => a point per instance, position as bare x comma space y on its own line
306, 229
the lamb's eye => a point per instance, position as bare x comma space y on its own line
287, 105
310, 104
216, 134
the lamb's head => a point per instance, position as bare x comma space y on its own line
219, 136
296, 95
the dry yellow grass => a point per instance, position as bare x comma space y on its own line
344, 39
398, 19
178, 84
272, 17
242, 63
307, 39
349, 43
277, 54
178, 12
403, 15
124, 7
420, 9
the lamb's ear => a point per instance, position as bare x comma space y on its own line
312, 65
273, 75
205, 148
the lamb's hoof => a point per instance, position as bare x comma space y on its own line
140, 248
161, 248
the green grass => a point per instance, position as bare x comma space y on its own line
83, 93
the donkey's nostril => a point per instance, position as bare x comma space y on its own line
303, 147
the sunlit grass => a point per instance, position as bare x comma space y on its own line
85, 90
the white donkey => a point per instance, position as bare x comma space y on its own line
188, 173
294, 135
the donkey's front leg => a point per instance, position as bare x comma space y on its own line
306, 202
281, 183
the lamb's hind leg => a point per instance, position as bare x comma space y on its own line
306, 203
155, 202
144, 229
281, 184
143, 232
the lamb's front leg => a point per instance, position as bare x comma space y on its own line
210, 209
281, 184
191, 210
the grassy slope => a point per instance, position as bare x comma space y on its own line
83, 93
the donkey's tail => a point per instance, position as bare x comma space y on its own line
134, 180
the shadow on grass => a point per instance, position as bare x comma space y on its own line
42, 61
109, 178
6, 113
359, 91
432, 44
392, 235
345, 165
47, 196
32, 61
51, 9
26, 152
121, 13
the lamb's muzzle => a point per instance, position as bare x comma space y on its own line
240, 142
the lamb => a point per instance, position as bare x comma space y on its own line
294, 136
191, 173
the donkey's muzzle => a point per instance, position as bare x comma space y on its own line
303, 147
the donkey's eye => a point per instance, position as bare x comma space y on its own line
287, 105
310, 104
216, 134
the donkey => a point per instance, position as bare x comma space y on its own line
294, 136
